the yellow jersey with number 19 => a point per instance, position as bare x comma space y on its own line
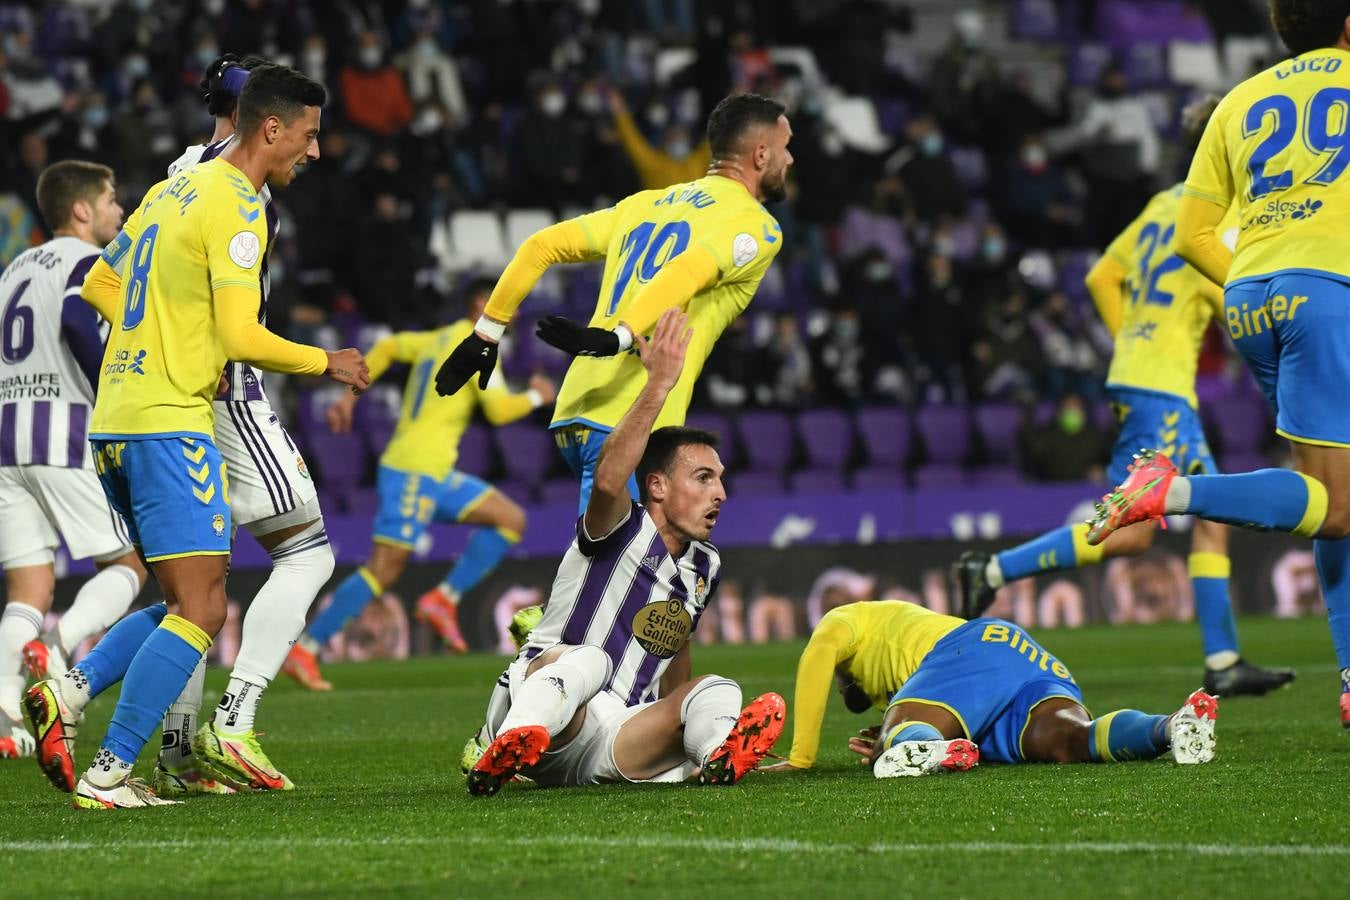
1278, 144
200, 231
637, 237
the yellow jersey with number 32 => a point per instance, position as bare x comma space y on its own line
1168, 304
194, 233
637, 237
1278, 145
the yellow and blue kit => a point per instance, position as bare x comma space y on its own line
708, 240
1278, 146
180, 285
417, 480
1158, 308
987, 672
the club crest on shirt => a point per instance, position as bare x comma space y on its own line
302, 468
218, 524
663, 627
700, 589
743, 249
245, 248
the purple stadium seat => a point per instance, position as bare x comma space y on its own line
1035, 20
946, 433
1243, 425
1103, 418
1086, 63
720, 426
874, 478
380, 405
766, 437
475, 451
340, 458
1146, 65
376, 436
817, 480
887, 435
996, 476
756, 484
527, 451
940, 475
519, 491
1243, 462
827, 436
360, 501
1212, 387
559, 490
998, 424
309, 417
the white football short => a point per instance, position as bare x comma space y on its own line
589, 757
270, 485
42, 505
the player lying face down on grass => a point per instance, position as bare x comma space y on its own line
955, 691
601, 692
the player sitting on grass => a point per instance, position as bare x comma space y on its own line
954, 691
418, 484
615, 634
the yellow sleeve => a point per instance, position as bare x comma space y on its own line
102, 290
500, 406
644, 158
1106, 283
576, 240
675, 285
831, 643
244, 338
403, 346
1209, 177
1198, 242
1213, 297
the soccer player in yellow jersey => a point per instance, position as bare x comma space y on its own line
419, 484
702, 246
180, 286
955, 692
1158, 308
1277, 146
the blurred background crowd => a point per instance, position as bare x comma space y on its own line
958, 166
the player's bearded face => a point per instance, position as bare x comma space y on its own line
693, 495
773, 184
296, 144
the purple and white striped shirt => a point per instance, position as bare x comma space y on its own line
626, 594
245, 381
51, 348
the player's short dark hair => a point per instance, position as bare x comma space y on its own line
1194, 118
662, 447
480, 284
280, 91
736, 115
216, 88
1306, 25
62, 183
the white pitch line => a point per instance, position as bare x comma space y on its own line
769, 845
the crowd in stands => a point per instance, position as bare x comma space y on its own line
958, 164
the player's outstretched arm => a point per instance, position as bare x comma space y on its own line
501, 407
576, 240
663, 357
244, 339
1198, 242
829, 645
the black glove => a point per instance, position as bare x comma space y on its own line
472, 355
577, 340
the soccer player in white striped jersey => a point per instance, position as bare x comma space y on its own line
272, 495
51, 349
601, 691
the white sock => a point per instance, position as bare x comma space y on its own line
1221, 660
102, 600
301, 566
74, 690
993, 572
238, 706
175, 750
553, 694
106, 770
709, 712
19, 624
1178, 498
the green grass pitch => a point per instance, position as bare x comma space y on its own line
381, 807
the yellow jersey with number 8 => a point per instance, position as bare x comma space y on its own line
1278, 145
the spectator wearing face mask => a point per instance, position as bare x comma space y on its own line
1037, 200
840, 362
676, 161
926, 174
551, 146
433, 78
1065, 448
373, 92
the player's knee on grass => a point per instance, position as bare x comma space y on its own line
1058, 732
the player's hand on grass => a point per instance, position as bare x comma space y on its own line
577, 340
348, 367
866, 744
475, 354
663, 354
544, 387
339, 413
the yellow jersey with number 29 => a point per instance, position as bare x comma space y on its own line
197, 232
637, 237
1278, 144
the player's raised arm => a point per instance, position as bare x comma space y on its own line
663, 357
576, 240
